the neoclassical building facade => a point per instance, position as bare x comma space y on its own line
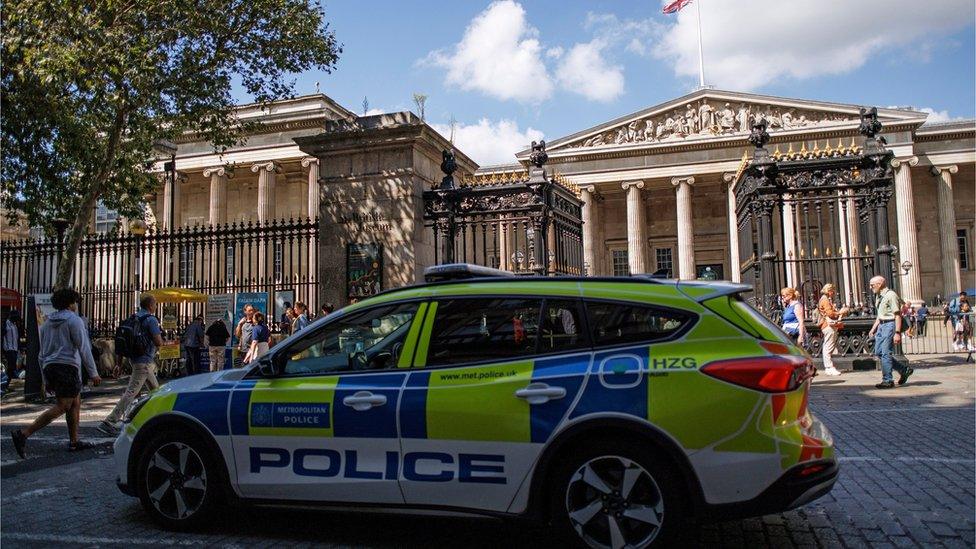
656, 185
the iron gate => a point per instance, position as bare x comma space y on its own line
532, 225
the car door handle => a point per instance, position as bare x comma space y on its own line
364, 400
540, 393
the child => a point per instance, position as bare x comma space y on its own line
963, 329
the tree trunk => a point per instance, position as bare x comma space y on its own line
77, 234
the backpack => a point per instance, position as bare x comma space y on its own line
132, 338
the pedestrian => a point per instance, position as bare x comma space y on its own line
962, 329
289, 328
326, 310
11, 343
193, 341
886, 332
301, 321
286, 318
955, 307
244, 330
830, 326
217, 336
64, 349
922, 315
261, 337
793, 316
143, 362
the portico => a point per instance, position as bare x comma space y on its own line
665, 182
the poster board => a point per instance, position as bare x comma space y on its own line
220, 306
170, 315
364, 270
169, 350
281, 297
42, 309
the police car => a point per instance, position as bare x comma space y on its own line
613, 408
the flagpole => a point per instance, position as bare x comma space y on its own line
701, 58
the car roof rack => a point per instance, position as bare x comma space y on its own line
462, 271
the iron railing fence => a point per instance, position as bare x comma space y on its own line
112, 270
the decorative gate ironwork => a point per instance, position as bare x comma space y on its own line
530, 226
111, 270
815, 216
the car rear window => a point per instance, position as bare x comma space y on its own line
621, 323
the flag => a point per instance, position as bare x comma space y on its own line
676, 6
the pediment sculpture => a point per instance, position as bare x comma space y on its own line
709, 117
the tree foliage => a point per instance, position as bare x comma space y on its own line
88, 86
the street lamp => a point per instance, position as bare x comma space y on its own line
138, 229
167, 147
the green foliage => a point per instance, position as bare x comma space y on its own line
88, 86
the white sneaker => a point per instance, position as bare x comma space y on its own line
831, 371
108, 428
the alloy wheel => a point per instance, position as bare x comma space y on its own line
176, 480
614, 503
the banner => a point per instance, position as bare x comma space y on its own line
364, 270
258, 300
169, 350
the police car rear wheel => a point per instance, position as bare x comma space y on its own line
615, 496
178, 481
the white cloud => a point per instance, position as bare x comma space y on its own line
585, 70
554, 53
490, 142
499, 55
938, 116
749, 43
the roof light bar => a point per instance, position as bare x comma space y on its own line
461, 271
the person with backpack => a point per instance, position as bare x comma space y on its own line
64, 349
136, 339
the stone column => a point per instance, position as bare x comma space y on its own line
734, 260
789, 244
911, 290
591, 256
218, 193
636, 241
314, 201
503, 258
168, 200
266, 187
686, 228
952, 280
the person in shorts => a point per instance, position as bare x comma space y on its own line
65, 347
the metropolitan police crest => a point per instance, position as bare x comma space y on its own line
261, 415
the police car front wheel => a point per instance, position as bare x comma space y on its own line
615, 496
178, 480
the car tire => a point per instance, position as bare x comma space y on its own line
179, 481
611, 493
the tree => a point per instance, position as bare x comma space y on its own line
88, 86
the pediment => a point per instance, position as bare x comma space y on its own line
713, 114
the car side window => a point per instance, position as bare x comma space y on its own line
367, 340
480, 330
561, 327
621, 323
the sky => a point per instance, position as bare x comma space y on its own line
510, 72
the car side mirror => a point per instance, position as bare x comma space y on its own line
381, 359
266, 367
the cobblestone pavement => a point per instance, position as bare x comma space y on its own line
907, 479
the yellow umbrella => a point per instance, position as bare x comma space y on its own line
177, 295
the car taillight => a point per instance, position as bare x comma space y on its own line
770, 374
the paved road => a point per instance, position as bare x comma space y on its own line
907, 479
